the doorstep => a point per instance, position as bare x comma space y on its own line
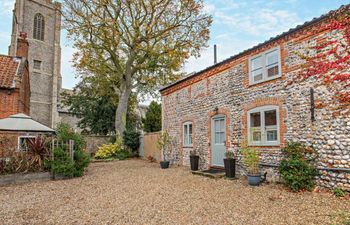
215, 173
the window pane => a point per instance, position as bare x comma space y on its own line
256, 63
185, 135
256, 135
222, 124
270, 118
271, 135
222, 139
217, 138
190, 129
217, 125
190, 139
257, 75
255, 119
272, 71
272, 58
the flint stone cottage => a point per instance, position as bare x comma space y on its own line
249, 97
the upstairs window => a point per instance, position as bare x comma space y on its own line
263, 124
264, 67
39, 27
187, 134
37, 65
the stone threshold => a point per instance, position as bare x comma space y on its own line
216, 175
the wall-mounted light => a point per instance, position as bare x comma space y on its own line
216, 110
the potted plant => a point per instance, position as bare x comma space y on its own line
230, 165
251, 160
194, 160
162, 144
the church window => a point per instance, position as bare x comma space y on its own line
39, 27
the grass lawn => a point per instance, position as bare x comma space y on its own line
138, 192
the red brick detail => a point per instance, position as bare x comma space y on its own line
221, 111
297, 36
264, 102
185, 120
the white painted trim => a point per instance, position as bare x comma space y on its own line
263, 141
186, 126
264, 68
18, 140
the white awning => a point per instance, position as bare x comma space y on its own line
22, 122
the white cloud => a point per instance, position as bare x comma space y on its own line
6, 7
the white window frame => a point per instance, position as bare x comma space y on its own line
18, 142
263, 128
187, 141
264, 66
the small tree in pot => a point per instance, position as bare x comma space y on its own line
194, 160
251, 160
162, 144
230, 165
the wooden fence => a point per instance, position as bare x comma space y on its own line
148, 146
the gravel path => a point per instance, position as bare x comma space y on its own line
138, 192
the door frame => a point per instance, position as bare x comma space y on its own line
218, 115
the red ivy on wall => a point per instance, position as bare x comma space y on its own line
330, 62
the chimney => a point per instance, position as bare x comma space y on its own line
215, 59
22, 45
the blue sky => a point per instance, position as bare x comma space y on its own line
237, 26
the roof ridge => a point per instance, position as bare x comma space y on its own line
274, 38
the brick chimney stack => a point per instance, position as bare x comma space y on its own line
22, 45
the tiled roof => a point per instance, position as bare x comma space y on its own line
9, 68
272, 39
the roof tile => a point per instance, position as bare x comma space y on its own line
8, 70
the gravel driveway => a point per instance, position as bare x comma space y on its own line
138, 192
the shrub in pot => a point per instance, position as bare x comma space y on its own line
162, 144
251, 160
194, 160
230, 165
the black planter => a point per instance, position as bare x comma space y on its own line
164, 164
230, 167
194, 159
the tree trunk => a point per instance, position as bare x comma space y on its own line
120, 115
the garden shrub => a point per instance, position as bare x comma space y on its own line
339, 192
297, 169
62, 164
65, 133
81, 161
109, 150
65, 166
131, 140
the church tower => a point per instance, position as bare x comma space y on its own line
41, 20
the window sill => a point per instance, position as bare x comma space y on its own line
264, 81
187, 146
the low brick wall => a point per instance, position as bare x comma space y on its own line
24, 178
93, 142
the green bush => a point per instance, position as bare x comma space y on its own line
296, 169
131, 140
338, 192
62, 164
65, 166
65, 133
81, 161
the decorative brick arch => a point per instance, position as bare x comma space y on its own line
221, 111
276, 101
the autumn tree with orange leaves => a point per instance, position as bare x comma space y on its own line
134, 46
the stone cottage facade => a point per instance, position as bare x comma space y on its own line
250, 97
14, 81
